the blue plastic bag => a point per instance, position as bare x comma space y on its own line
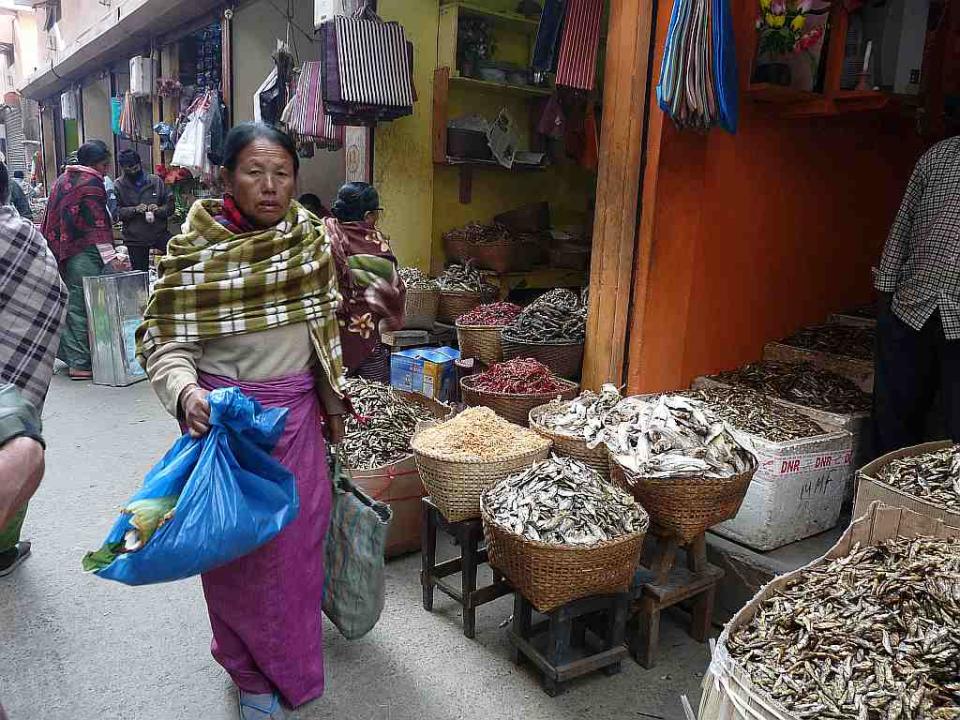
233, 496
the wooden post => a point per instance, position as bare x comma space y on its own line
618, 190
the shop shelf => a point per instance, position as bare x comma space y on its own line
511, 20
487, 86
767, 92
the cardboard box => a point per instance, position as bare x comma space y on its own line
428, 371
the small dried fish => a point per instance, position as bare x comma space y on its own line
557, 316
415, 279
382, 435
756, 414
800, 383
562, 501
582, 417
850, 340
477, 433
873, 635
464, 278
478, 233
933, 477
672, 436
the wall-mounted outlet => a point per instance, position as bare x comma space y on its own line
915, 76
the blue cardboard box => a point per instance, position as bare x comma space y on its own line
428, 371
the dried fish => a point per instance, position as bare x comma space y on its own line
464, 278
557, 316
477, 433
800, 383
582, 417
672, 436
478, 233
756, 414
415, 279
562, 501
850, 340
933, 477
381, 435
873, 635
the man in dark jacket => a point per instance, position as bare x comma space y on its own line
18, 198
144, 204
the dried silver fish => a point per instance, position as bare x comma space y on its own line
756, 414
562, 501
415, 279
671, 436
849, 340
873, 635
582, 417
933, 477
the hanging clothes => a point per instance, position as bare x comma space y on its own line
577, 63
547, 45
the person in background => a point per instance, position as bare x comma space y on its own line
78, 229
31, 315
312, 203
918, 318
28, 188
18, 198
369, 297
108, 184
256, 267
144, 203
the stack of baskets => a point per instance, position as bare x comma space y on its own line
565, 359
480, 341
571, 445
513, 406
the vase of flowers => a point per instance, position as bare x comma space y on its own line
786, 31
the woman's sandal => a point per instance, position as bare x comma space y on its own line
260, 707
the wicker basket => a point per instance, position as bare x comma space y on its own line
481, 342
513, 407
571, 446
420, 308
565, 359
501, 256
684, 507
453, 304
552, 575
455, 486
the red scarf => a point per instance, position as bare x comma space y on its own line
232, 218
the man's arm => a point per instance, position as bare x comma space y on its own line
21, 452
898, 241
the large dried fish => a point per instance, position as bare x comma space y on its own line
672, 436
800, 383
557, 316
850, 340
933, 477
582, 417
874, 635
756, 414
381, 435
562, 501
464, 278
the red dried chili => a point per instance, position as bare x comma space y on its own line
519, 377
496, 314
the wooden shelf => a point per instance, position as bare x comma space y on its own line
769, 93
487, 86
474, 162
508, 19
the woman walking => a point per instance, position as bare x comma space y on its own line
367, 271
247, 298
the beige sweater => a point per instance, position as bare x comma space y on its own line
258, 356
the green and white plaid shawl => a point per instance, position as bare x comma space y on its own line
216, 283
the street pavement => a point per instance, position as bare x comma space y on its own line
75, 647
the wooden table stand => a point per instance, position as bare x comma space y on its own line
469, 535
568, 653
662, 585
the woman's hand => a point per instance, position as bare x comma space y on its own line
196, 410
335, 426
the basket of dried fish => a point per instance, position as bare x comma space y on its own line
462, 288
552, 330
422, 299
844, 349
559, 532
478, 331
680, 462
491, 247
870, 630
460, 458
574, 426
514, 387
924, 478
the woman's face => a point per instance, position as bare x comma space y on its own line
263, 183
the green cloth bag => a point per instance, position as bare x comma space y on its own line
354, 589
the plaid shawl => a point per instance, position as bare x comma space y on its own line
33, 303
216, 283
76, 215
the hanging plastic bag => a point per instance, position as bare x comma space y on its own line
354, 591
207, 502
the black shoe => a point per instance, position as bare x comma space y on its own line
10, 559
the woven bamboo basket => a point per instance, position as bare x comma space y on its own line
513, 407
565, 359
455, 486
453, 304
552, 575
570, 445
684, 507
481, 342
501, 256
420, 308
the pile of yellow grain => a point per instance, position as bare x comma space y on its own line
477, 433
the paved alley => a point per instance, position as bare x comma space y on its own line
75, 647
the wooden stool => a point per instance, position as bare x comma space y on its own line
567, 654
661, 586
469, 535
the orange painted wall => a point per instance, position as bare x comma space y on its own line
754, 235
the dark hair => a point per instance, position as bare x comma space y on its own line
18, 174
314, 204
245, 133
354, 200
92, 153
4, 184
129, 158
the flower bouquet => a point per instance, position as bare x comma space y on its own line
790, 32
